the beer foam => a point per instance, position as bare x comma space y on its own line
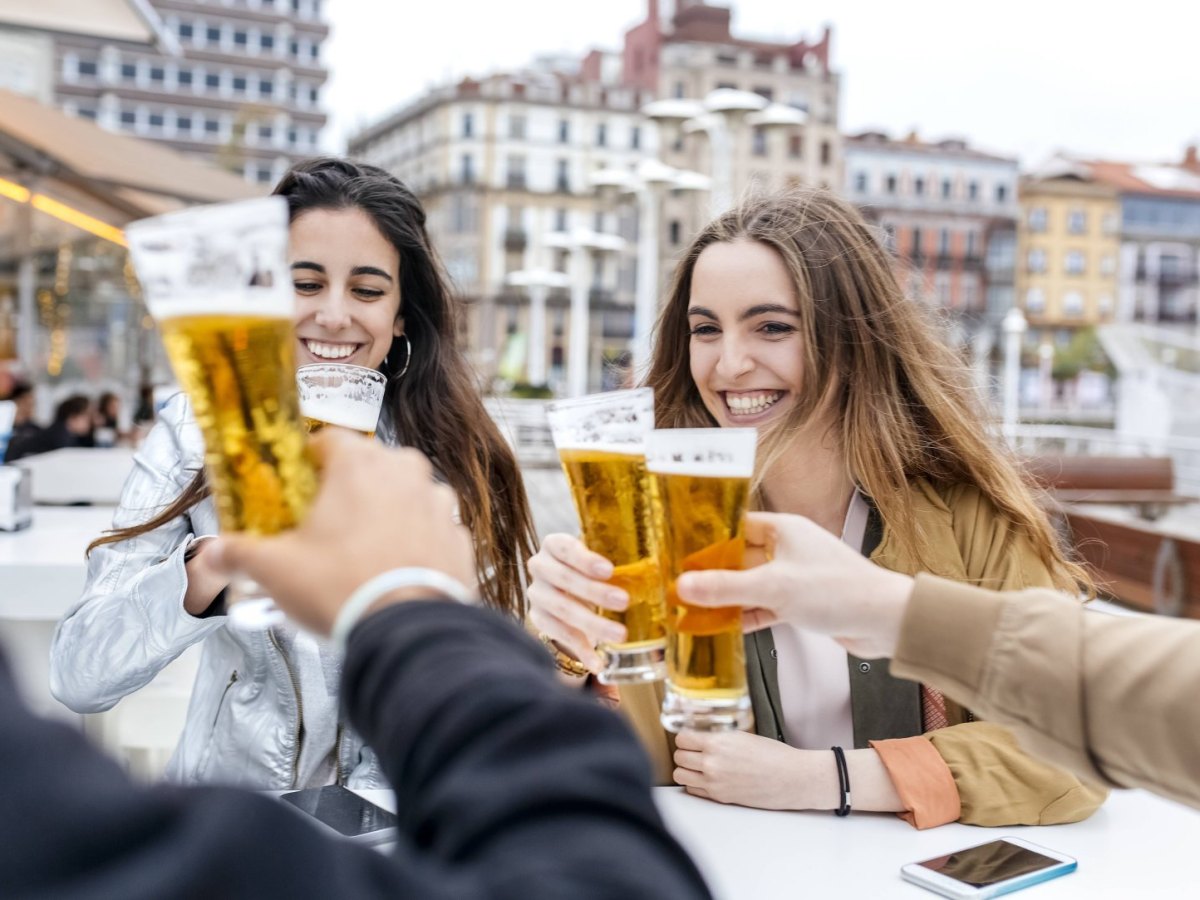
702, 452
631, 449
224, 304
333, 411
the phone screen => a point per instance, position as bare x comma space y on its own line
342, 810
989, 863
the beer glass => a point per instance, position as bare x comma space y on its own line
703, 483
346, 396
601, 443
216, 280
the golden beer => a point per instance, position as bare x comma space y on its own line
239, 373
312, 426
702, 528
614, 497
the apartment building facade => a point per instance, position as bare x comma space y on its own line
245, 91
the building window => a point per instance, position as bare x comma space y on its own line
890, 184
560, 220
1073, 304
759, 142
213, 35
796, 146
944, 242
673, 232
266, 41
86, 67
264, 175
971, 245
1108, 264
240, 38
239, 84
916, 242
265, 132
211, 126
1077, 221
1075, 262
1111, 223
1035, 261
516, 172
947, 188
314, 51
1002, 193
212, 80
635, 138
468, 125
294, 48
183, 77
1037, 218
516, 127
186, 30
601, 135
564, 131
157, 120
680, 90
973, 190
919, 186
129, 71
860, 182
313, 95
826, 153
86, 112
293, 137
1035, 301
128, 117
266, 88
183, 123
563, 181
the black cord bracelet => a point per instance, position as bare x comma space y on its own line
839, 757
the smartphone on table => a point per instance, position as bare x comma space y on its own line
989, 870
345, 812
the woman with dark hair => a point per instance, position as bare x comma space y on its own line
263, 713
785, 315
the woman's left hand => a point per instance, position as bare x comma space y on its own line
743, 768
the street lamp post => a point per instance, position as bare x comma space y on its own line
1014, 327
581, 243
538, 282
647, 184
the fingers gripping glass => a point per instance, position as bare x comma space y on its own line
216, 280
601, 443
703, 482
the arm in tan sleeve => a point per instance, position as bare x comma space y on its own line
1111, 698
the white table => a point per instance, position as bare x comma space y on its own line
42, 571
1137, 845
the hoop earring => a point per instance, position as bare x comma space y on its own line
407, 357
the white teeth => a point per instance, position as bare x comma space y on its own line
751, 405
330, 351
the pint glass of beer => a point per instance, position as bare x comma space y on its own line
601, 443
345, 396
216, 280
703, 483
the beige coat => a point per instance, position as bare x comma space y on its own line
1112, 698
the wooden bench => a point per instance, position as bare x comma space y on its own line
1146, 483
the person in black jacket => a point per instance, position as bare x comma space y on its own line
507, 784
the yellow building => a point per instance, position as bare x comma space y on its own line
1068, 241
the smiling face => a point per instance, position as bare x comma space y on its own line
745, 347
347, 280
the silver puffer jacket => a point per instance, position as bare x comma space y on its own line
245, 723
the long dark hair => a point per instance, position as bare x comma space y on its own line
434, 405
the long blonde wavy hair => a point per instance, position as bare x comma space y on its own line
902, 403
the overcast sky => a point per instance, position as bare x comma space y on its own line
1025, 78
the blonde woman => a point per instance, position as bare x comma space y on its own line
785, 315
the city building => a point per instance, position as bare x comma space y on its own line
243, 89
1159, 265
502, 163
1068, 241
949, 214
687, 49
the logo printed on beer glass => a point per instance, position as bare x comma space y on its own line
600, 440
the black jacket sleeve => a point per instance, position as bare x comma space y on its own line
551, 800
503, 776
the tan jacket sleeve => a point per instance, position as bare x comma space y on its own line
1112, 698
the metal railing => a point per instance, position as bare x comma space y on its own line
1079, 441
